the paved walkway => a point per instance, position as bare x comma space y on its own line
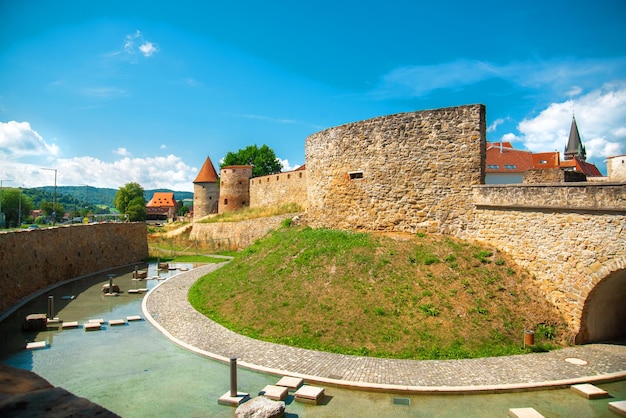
166, 307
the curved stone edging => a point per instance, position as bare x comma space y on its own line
167, 308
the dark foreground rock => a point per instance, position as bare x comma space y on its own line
24, 394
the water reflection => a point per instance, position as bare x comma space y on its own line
136, 372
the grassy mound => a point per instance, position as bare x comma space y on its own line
385, 295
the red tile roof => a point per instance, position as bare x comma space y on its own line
207, 173
162, 199
503, 158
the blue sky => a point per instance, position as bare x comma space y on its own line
109, 92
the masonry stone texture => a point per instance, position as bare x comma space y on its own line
32, 260
407, 172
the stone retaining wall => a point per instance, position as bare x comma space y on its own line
32, 260
568, 251
235, 235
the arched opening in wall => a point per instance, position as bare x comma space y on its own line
604, 312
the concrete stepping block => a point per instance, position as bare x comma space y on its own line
92, 326
524, 413
309, 394
590, 391
114, 322
53, 320
291, 383
133, 290
98, 320
70, 324
36, 344
134, 318
276, 393
226, 399
619, 407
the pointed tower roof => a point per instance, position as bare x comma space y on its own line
207, 173
575, 147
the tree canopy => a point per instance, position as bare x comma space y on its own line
262, 159
16, 206
130, 200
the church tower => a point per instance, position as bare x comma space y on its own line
206, 192
575, 147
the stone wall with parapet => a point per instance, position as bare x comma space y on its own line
600, 196
570, 237
32, 260
235, 235
279, 189
406, 172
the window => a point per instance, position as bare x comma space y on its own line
355, 175
510, 166
225, 202
543, 161
493, 166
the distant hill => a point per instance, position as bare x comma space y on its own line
92, 195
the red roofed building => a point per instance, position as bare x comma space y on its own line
161, 207
506, 164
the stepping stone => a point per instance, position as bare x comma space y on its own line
589, 391
53, 320
291, 383
92, 326
524, 413
134, 318
276, 393
114, 322
226, 399
35, 345
309, 394
71, 324
619, 407
133, 290
99, 321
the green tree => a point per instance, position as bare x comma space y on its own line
52, 210
14, 210
131, 201
262, 159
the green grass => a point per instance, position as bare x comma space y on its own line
397, 296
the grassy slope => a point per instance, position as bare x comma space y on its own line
400, 295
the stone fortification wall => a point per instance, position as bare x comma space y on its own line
571, 237
582, 196
234, 188
279, 189
406, 172
35, 259
235, 235
206, 197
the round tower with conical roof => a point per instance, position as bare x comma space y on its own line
206, 192
234, 187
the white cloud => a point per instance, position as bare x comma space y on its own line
600, 116
168, 172
495, 124
163, 146
287, 166
567, 76
122, 151
148, 48
18, 140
